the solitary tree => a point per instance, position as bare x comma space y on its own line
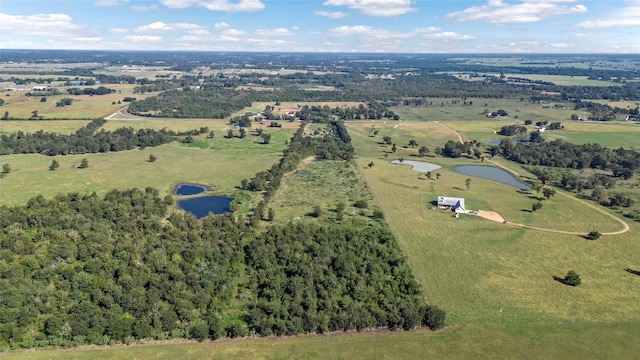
84, 163
34, 114
230, 134
370, 165
6, 168
152, 158
266, 138
271, 214
535, 207
386, 140
393, 148
401, 159
243, 133
423, 151
413, 143
467, 183
211, 134
54, 165
438, 176
376, 132
429, 175
572, 278
548, 192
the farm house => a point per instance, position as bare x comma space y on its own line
451, 203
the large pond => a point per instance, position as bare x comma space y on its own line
189, 189
418, 166
202, 206
491, 173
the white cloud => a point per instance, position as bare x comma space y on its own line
527, 11
118, 31
87, 39
448, 36
627, 16
376, 7
143, 8
142, 38
107, 3
332, 14
39, 25
221, 25
365, 31
216, 5
160, 26
274, 32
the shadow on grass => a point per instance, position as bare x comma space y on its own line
631, 271
434, 203
560, 280
457, 188
536, 198
526, 210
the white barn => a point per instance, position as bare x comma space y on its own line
451, 203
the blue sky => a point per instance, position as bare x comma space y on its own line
408, 26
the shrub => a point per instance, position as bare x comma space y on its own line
572, 278
593, 235
361, 204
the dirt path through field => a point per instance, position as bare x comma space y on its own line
283, 182
493, 216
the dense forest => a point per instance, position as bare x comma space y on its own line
88, 140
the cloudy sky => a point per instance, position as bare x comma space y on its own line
408, 26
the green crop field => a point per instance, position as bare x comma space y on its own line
220, 163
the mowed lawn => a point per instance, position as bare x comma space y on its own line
220, 163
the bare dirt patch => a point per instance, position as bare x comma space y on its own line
491, 215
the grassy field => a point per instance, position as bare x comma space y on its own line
31, 126
507, 275
220, 163
613, 135
445, 110
486, 341
21, 106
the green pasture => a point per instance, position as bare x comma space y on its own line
219, 163
564, 80
518, 110
323, 183
609, 134
31, 126
486, 272
483, 341
20, 106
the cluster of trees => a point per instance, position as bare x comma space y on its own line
322, 114
559, 153
454, 149
87, 140
513, 130
100, 90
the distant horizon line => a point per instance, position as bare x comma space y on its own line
327, 52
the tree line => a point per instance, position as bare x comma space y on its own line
87, 140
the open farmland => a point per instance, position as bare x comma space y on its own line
219, 163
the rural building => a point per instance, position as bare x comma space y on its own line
451, 203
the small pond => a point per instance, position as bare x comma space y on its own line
491, 173
418, 166
189, 189
202, 206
